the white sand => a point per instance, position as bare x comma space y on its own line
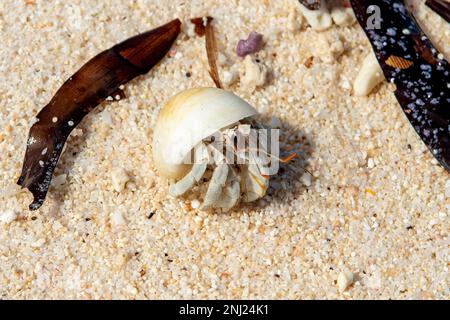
375, 207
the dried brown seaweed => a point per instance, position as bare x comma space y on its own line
98, 79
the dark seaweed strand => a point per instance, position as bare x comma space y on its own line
98, 79
440, 7
423, 88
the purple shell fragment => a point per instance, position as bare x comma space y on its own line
253, 44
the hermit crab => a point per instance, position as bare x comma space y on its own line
209, 136
204, 129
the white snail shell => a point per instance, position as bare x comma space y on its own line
188, 118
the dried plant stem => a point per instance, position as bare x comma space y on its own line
212, 52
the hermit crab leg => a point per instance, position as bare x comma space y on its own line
218, 181
189, 180
99, 78
254, 182
230, 193
194, 176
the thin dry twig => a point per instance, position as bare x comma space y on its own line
212, 52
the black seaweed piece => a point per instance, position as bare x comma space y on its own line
98, 79
422, 89
441, 7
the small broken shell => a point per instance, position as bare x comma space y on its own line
318, 17
311, 4
255, 73
369, 76
252, 44
188, 118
